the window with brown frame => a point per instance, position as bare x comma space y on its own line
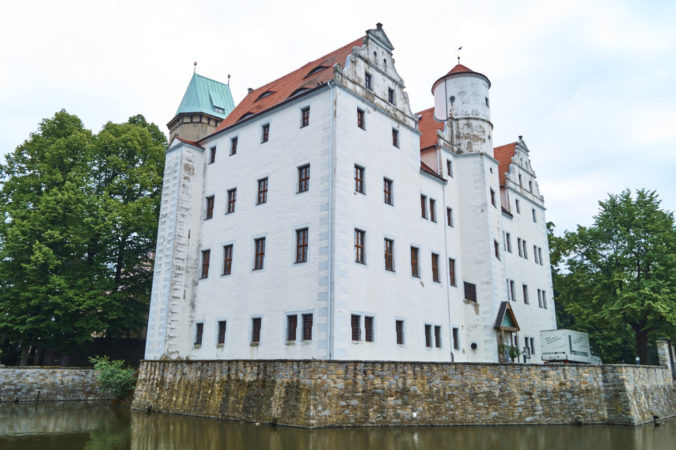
304, 178
359, 255
449, 216
435, 267
437, 336
470, 291
305, 117
301, 245
449, 167
496, 248
492, 197
451, 271
525, 294
265, 133
433, 210
232, 198
355, 323
368, 328
525, 249
540, 255
456, 340
212, 155
307, 327
199, 331
390, 95
227, 259
210, 208
205, 263
291, 325
387, 191
262, 191
428, 335
260, 253
221, 332
415, 268
367, 80
255, 330
423, 206
389, 258
395, 137
399, 330
233, 146
360, 119
358, 179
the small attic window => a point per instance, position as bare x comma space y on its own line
265, 94
245, 115
218, 109
314, 71
298, 91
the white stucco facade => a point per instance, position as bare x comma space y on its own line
364, 129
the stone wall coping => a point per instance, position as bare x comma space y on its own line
47, 367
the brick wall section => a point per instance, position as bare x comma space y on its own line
351, 393
23, 384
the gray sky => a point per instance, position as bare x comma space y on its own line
589, 84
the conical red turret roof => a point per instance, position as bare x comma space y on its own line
458, 70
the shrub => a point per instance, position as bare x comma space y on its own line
113, 376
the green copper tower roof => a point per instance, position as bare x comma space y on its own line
206, 96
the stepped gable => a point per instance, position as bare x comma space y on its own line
504, 155
309, 76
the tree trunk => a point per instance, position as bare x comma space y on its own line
25, 351
641, 344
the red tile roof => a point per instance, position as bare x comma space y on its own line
504, 155
428, 127
281, 89
425, 168
458, 69
188, 141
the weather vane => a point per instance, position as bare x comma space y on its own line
194, 70
228, 79
459, 48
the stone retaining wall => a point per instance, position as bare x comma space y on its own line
355, 393
30, 384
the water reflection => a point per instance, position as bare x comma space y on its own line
92, 426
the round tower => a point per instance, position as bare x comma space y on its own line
461, 96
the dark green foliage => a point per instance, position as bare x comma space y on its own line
617, 278
79, 221
114, 377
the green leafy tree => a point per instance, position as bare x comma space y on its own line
78, 214
617, 278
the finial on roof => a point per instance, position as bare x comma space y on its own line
379, 26
194, 70
459, 48
228, 79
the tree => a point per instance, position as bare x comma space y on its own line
618, 276
78, 228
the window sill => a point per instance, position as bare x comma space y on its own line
254, 344
197, 345
290, 343
220, 345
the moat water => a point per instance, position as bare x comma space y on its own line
97, 426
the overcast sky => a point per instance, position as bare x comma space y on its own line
589, 84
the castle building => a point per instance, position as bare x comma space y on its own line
323, 219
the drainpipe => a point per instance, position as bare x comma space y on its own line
448, 274
330, 304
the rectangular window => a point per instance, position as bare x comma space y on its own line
307, 327
435, 267
205, 263
210, 208
428, 335
449, 167
262, 191
260, 253
221, 332
358, 179
451, 271
496, 247
525, 294
265, 132
387, 191
530, 186
395, 137
212, 155
233, 146
534, 216
520, 181
518, 244
525, 249
227, 259
433, 210
423, 206
255, 330
509, 242
399, 329
305, 117
535, 254
291, 326
540, 255
359, 255
360, 119
355, 323
449, 216
389, 258
301, 245
199, 330
368, 328
518, 209
492, 197
232, 198
470, 292
510, 292
456, 342
415, 269
367, 80
437, 336
390, 95
544, 300
532, 346
304, 178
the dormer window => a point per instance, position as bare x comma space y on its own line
264, 94
367, 80
218, 109
315, 70
245, 115
298, 91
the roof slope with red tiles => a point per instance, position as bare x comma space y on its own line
504, 155
309, 76
460, 69
428, 128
